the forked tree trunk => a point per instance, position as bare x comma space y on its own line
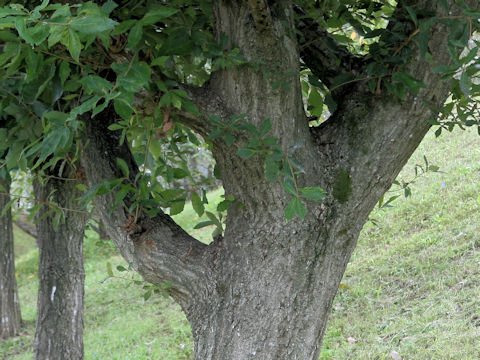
265, 290
59, 326
10, 318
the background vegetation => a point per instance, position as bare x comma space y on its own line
412, 286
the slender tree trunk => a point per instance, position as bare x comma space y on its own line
10, 318
59, 326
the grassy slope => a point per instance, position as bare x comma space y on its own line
414, 281
413, 285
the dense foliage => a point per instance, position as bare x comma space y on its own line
60, 60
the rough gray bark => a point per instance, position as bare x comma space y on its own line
10, 317
265, 290
59, 326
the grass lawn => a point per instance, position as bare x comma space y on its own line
412, 286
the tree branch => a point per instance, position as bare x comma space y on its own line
365, 144
159, 249
206, 102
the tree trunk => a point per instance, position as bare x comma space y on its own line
264, 291
9, 304
59, 326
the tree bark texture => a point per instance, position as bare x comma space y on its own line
10, 317
59, 326
264, 291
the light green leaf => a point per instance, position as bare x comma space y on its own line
315, 102
197, 204
313, 193
71, 40
289, 188
153, 16
96, 84
21, 26
5, 11
465, 83
92, 24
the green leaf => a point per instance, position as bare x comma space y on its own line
465, 83
122, 105
313, 193
265, 127
109, 6
315, 102
123, 166
412, 14
330, 102
147, 295
289, 188
300, 209
197, 204
246, 153
64, 71
115, 127
121, 268
153, 16
71, 40
6, 11
271, 170
433, 168
134, 36
295, 207
132, 77
203, 224
21, 26
177, 207
213, 218
96, 84
84, 107
92, 24
178, 43
124, 26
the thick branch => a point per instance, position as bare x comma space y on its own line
207, 103
159, 249
370, 137
321, 53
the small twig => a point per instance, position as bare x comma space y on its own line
412, 35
